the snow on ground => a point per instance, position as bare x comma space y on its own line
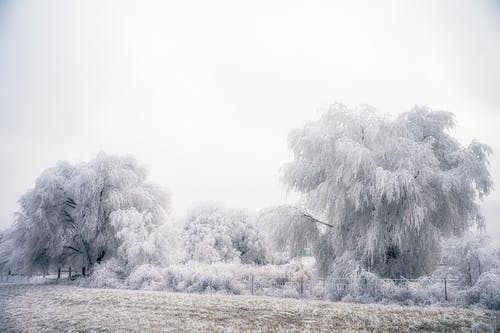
57, 308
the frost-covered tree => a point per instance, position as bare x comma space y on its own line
468, 257
213, 234
289, 231
391, 188
85, 213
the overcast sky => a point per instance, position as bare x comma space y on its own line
205, 92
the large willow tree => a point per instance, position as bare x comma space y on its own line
391, 188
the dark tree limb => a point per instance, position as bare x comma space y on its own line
72, 248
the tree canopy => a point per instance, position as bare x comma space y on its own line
391, 188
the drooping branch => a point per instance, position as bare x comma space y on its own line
72, 248
311, 219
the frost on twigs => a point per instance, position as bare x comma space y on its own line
391, 188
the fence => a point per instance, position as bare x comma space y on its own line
309, 288
318, 288
61, 276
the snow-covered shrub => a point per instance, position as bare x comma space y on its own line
345, 267
197, 277
428, 290
360, 285
485, 292
370, 286
468, 257
489, 289
319, 290
109, 274
296, 270
146, 277
213, 234
289, 280
290, 293
235, 278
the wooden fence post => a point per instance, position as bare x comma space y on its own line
83, 271
69, 274
58, 273
445, 290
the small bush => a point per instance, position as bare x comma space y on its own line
106, 275
146, 277
485, 293
196, 277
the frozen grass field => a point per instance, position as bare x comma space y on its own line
50, 308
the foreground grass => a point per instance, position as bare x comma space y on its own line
49, 308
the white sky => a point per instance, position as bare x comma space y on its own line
205, 92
